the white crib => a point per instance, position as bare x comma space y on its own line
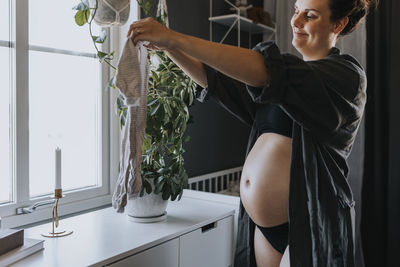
225, 182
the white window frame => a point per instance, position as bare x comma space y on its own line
75, 200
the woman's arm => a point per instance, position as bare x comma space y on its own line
191, 66
242, 64
238, 63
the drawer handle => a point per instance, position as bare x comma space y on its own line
208, 227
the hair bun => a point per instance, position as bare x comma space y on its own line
355, 10
371, 3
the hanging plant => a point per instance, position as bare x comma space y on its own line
85, 15
170, 93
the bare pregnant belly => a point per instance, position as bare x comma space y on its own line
264, 185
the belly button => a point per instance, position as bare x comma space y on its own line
245, 181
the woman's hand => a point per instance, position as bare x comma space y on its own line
148, 29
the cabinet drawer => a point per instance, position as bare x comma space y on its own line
210, 246
165, 255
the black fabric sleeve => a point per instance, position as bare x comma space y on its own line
229, 93
325, 96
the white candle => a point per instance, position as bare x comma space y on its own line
58, 168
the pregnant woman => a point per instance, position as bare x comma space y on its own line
304, 113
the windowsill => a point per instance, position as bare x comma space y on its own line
107, 236
43, 214
48, 221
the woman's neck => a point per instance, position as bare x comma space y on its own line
321, 53
317, 55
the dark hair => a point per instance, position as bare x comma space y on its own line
355, 10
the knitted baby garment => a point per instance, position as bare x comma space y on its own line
132, 80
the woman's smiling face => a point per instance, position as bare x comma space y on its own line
313, 32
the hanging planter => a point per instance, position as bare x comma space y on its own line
111, 12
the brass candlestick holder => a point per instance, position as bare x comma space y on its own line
57, 195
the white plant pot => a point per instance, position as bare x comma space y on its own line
150, 205
149, 208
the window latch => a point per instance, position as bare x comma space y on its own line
30, 209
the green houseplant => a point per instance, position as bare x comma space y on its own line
170, 93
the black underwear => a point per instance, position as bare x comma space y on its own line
270, 118
277, 236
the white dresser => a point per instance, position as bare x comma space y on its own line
199, 231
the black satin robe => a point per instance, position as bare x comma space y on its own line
326, 99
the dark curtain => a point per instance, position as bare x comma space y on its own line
380, 223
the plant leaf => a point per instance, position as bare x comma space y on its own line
166, 192
83, 5
111, 55
168, 109
147, 6
101, 38
148, 186
173, 189
142, 191
159, 187
152, 102
81, 17
154, 110
101, 55
190, 98
123, 118
180, 195
111, 83
175, 180
155, 76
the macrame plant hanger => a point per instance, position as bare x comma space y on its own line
111, 12
162, 11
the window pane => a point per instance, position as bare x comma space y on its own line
4, 18
5, 181
5, 122
52, 24
64, 102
